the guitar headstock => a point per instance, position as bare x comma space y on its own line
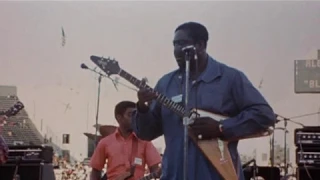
108, 65
15, 109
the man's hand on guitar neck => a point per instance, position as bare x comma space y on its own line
145, 96
206, 128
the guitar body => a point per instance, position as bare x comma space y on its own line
124, 176
127, 175
216, 150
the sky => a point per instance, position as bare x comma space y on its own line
262, 39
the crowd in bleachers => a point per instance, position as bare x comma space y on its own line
18, 128
70, 171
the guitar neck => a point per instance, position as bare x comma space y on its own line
12, 111
5, 113
150, 176
166, 102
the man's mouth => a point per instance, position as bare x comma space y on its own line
179, 59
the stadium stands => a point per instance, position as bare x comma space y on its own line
19, 128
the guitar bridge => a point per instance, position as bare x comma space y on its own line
221, 148
193, 116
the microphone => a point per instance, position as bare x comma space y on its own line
188, 48
84, 66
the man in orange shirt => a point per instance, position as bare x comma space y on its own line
124, 150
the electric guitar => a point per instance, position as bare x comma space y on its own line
4, 115
129, 174
215, 150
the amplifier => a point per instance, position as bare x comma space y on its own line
30, 154
308, 156
308, 173
267, 173
307, 136
27, 171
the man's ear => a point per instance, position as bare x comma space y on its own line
118, 116
200, 46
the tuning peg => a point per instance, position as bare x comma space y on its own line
145, 80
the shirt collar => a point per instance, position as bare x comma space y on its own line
117, 133
211, 72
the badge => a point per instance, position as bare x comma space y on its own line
177, 99
138, 161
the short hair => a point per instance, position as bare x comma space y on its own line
122, 106
196, 31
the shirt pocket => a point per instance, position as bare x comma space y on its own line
211, 98
117, 156
140, 155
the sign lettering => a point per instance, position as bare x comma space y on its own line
307, 76
312, 63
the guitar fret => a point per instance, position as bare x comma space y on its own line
166, 102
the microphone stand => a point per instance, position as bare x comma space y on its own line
83, 66
186, 119
254, 167
272, 143
272, 150
16, 176
285, 140
97, 113
285, 146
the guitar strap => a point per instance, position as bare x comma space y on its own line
132, 156
134, 150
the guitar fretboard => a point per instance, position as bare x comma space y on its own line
166, 102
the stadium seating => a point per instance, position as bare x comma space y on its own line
19, 128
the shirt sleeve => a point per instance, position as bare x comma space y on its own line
152, 155
255, 114
3, 146
99, 156
148, 125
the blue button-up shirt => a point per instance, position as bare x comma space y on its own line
219, 89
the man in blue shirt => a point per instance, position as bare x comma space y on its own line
214, 87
